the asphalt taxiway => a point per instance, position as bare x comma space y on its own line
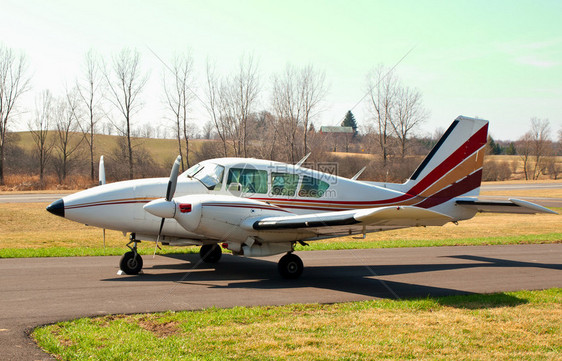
36, 291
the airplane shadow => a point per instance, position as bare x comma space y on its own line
250, 273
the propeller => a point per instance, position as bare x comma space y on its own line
169, 195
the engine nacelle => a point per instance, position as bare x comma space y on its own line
188, 213
220, 217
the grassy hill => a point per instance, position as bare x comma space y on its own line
163, 151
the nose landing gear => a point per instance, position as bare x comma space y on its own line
131, 262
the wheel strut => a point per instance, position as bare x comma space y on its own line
131, 263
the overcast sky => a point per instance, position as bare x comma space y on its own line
498, 60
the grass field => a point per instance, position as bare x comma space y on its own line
507, 326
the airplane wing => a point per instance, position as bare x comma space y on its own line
383, 217
512, 205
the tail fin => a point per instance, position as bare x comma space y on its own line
454, 165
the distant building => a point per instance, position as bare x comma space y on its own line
329, 129
340, 136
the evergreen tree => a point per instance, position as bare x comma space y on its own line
494, 148
510, 150
349, 121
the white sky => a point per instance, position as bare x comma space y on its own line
500, 60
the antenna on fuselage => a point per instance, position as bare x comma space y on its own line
301, 162
102, 182
101, 172
358, 173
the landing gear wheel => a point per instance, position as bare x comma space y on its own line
210, 253
131, 263
290, 266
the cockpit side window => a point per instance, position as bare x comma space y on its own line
251, 180
312, 187
284, 184
211, 175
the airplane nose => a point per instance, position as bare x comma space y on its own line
56, 208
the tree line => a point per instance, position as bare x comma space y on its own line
108, 95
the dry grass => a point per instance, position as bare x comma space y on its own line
541, 193
29, 225
27, 183
516, 163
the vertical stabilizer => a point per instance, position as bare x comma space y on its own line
454, 165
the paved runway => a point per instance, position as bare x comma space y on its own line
43, 290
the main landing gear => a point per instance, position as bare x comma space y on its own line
210, 253
290, 266
131, 262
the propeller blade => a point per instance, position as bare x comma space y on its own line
158, 238
161, 226
173, 179
169, 195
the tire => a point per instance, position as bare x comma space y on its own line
290, 266
130, 264
210, 253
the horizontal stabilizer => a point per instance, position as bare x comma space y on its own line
510, 206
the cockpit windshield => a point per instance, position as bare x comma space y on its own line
211, 175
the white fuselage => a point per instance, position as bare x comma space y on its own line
286, 189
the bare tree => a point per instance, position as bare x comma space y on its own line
67, 142
230, 103
244, 93
409, 113
89, 90
126, 81
287, 108
540, 136
297, 98
381, 90
535, 144
13, 83
208, 130
213, 106
178, 99
39, 128
313, 92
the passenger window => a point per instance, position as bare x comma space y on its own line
284, 184
312, 187
251, 180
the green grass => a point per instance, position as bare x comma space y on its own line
146, 249
334, 244
514, 325
401, 243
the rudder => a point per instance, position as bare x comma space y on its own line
454, 165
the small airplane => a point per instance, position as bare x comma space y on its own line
258, 208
